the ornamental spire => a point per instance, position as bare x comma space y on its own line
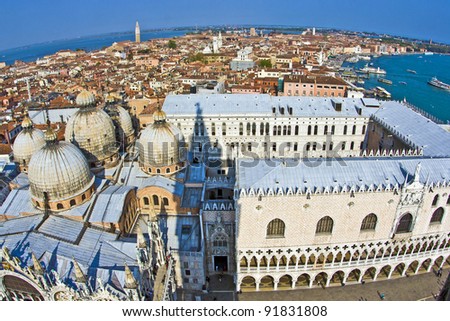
36, 265
417, 173
79, 274
130, 281
141, 242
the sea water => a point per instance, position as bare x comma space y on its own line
33, 52
416, 90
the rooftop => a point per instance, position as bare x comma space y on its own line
319, 175
414, 129
260, 105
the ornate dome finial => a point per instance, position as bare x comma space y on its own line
159, 116
49, 135
27, 122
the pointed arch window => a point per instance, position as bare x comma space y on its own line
220, 240
437, 216
405, 224
369, 222
435, 200
276, 228
325, 225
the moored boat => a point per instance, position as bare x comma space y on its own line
372, 70
386, 81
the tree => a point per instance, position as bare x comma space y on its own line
265, 63
197, 57
172, 44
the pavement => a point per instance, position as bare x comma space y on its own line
217, 289
423, 287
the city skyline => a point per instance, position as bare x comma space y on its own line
414, 21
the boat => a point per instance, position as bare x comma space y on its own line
428, 53
403, 83
381, 92
385, 81
411, 71
439, 84
360, 82
353, 59
366, 58
372, 70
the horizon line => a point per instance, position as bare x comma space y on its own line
203, 27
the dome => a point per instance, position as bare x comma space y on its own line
125, 121
92, 130
160, 146
27, 143
85, 98
59, 172
122, 120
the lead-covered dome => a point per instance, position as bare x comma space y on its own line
122, 122
161, 147
59, 175
85, 98
92, 130
28, 141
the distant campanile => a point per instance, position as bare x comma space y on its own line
137, 32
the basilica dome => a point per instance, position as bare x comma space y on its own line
85, 98
122, 122
59, 175
92, 130
28, 141
161, 147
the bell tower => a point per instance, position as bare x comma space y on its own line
137, 33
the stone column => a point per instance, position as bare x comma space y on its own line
257, 286
275, 285
360, 276
390, 273
293, 283
296, 263
417, 268
344, 280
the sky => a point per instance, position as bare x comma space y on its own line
26, 22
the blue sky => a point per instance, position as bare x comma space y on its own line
29, 21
